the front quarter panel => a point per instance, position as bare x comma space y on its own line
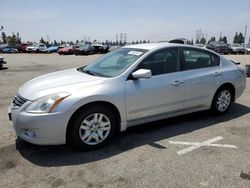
112, 91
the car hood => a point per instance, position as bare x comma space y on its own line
53, 48
238, 48
31, 47
62, 81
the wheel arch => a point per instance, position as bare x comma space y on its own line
227, 85
95, 103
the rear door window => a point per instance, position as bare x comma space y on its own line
197, 59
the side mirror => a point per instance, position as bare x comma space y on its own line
142, 73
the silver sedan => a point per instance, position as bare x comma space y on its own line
135, 84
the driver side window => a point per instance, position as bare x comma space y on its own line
162, 62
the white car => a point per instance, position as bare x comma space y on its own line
86, 106
200, 45
37, 48
247, 48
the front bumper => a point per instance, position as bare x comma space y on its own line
40, 129
221, 50
242, 51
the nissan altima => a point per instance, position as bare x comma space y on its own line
87, 106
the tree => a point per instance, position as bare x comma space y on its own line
144, 41
212, 39
77, 41
203, 41
47, 43
192, 42
55, 43
224, 39
238, 38
4, 38
12, 40
42, 40
148, 41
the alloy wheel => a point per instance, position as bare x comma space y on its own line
95, 129
223, 100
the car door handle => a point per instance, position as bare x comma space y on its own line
177, 82
217, 73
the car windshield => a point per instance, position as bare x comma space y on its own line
114, 63
220, 43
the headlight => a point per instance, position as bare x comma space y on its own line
46, 104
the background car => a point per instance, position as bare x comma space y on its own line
3, 46
22, 47
236, 49
136, 84
100, 48
247, 48
66, 50
200, 45
9, 50
37, 48
84, 49
218, 46
53, 49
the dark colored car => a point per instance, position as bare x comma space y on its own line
84, 49
66, 50
218, 46
2, 62
236, 49
100, 48
22, 47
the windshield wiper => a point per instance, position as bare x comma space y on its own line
82, 69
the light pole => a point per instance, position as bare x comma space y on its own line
245, 35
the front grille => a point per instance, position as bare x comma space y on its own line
18, 101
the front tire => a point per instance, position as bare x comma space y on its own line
222, 101
92, 128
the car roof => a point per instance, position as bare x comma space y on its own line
156, 46
152, 46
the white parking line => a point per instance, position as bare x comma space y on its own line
196, 145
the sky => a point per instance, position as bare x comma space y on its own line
153, 20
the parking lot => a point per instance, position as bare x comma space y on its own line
194, 150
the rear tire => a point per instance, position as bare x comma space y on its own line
92, 128
222, 101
